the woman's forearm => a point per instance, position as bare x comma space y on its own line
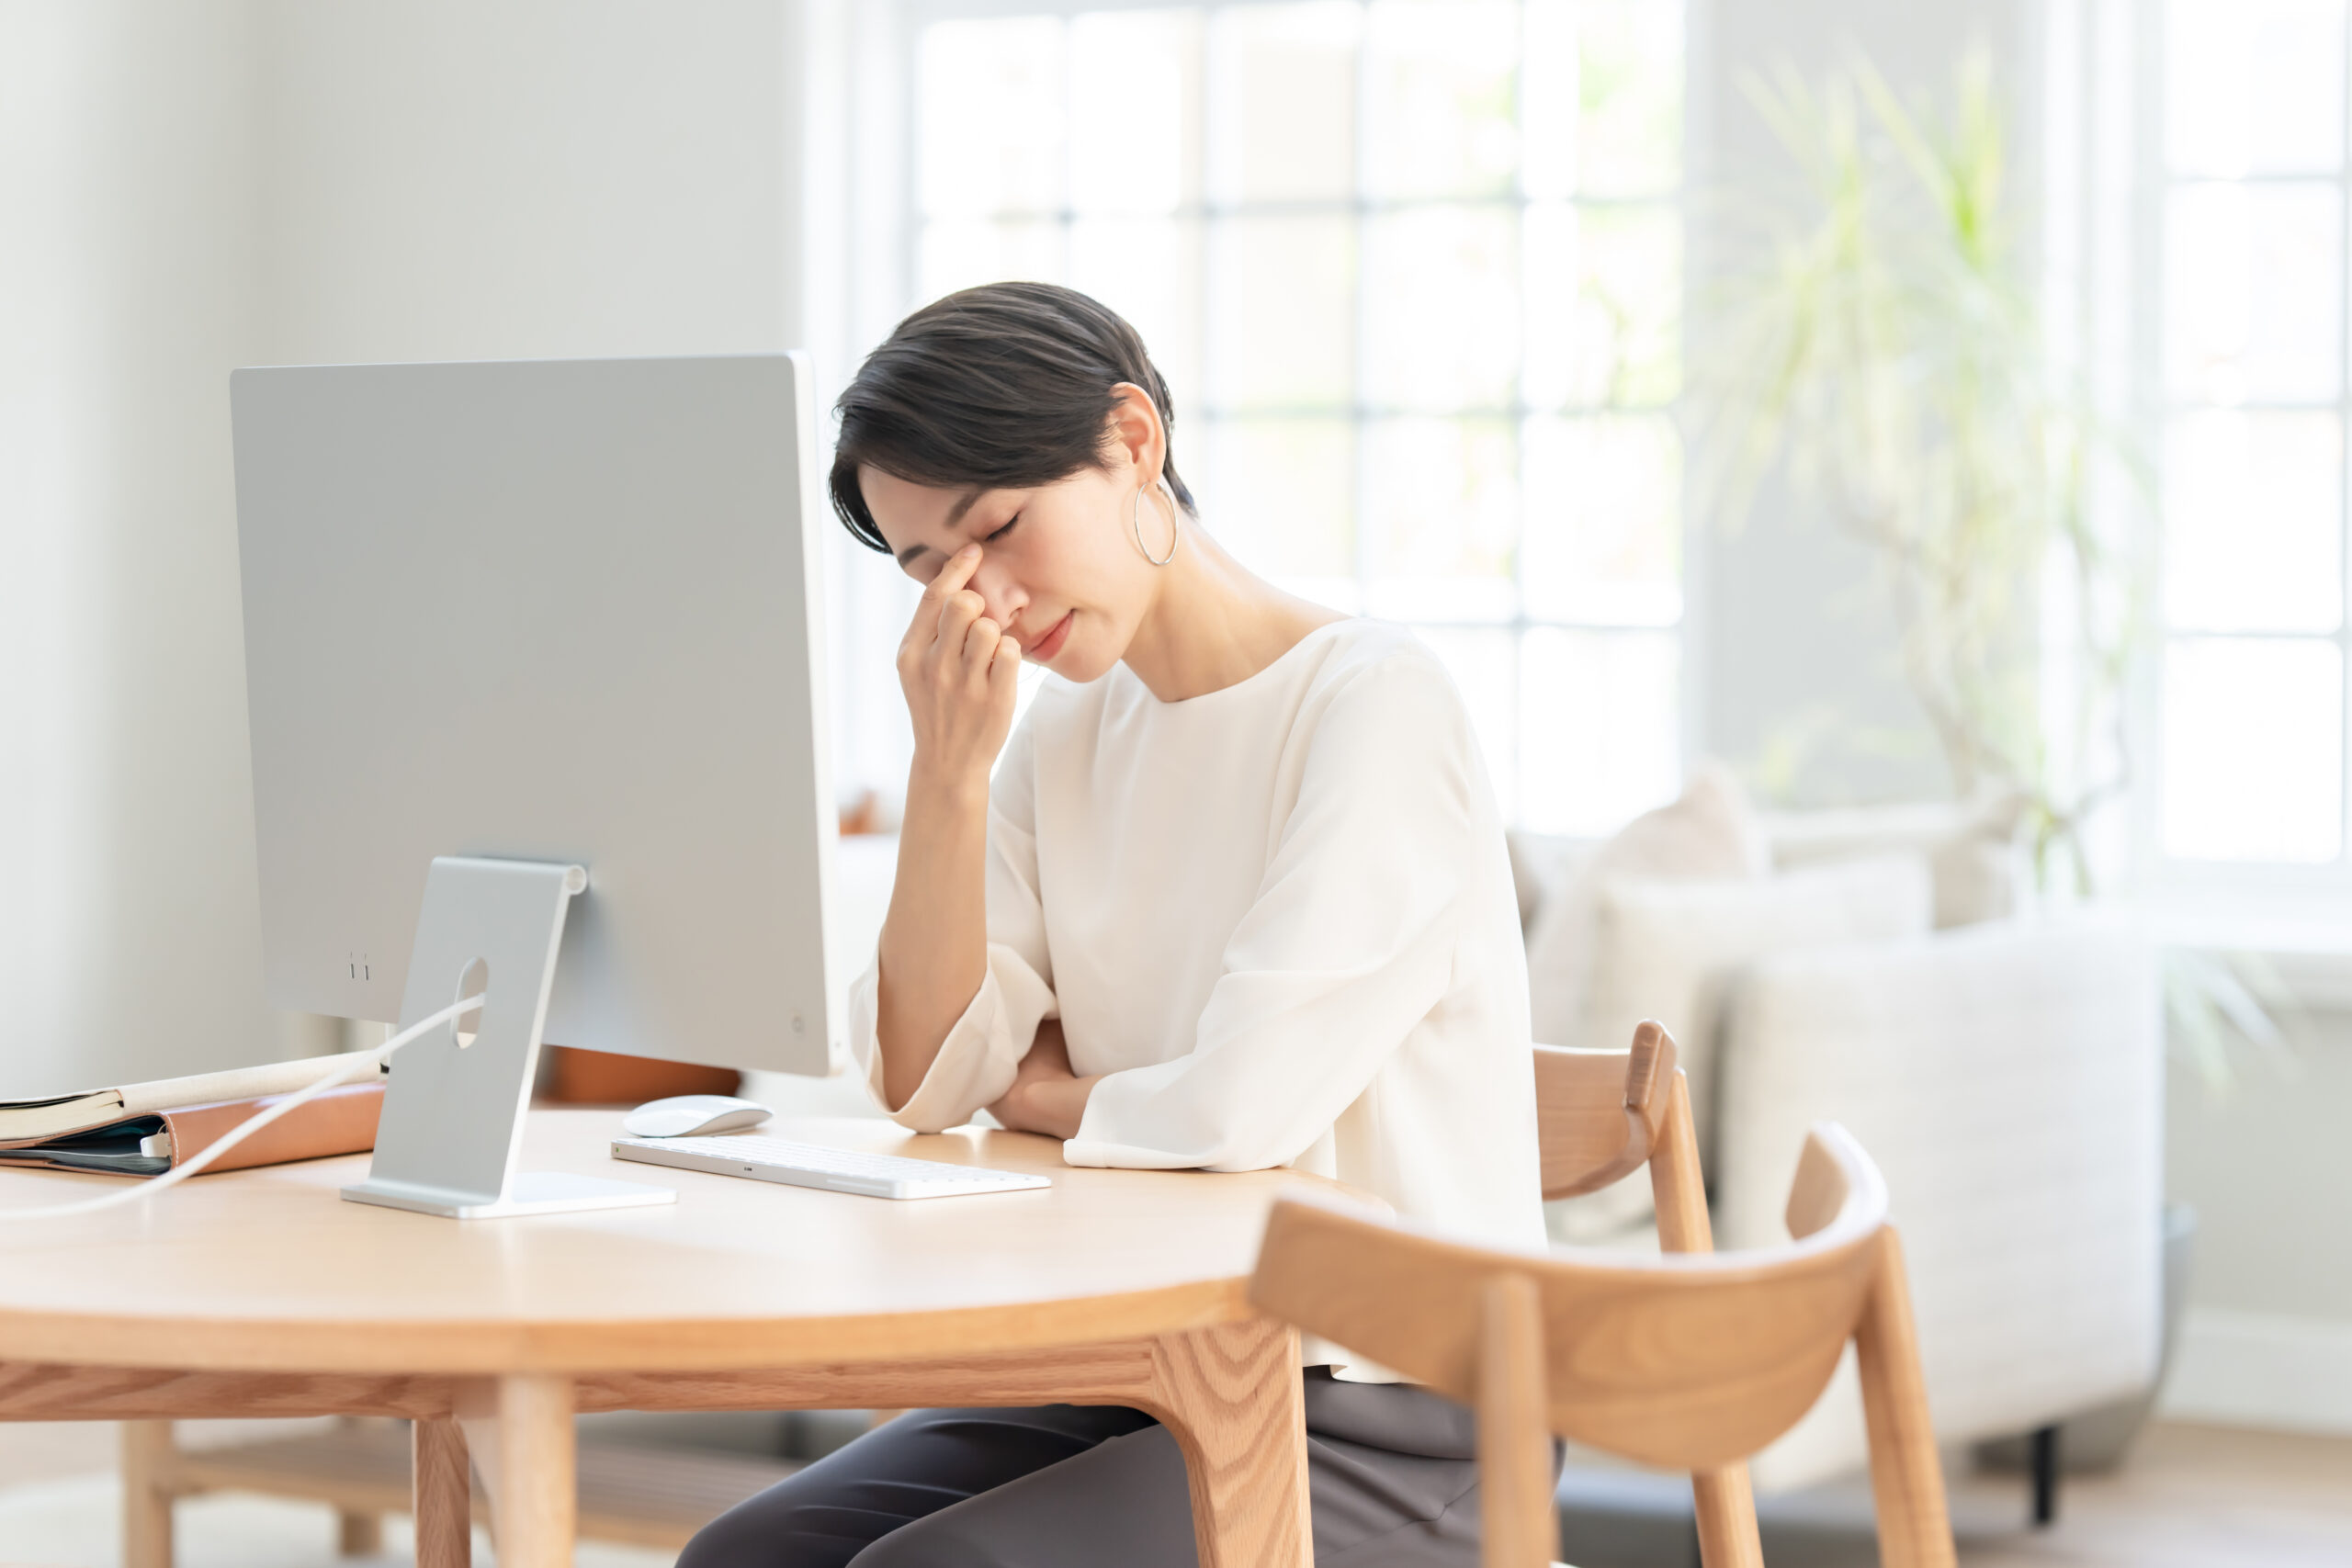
1056, 1107
933, 951
1046, 1096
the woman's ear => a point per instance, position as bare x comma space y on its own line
1136, 431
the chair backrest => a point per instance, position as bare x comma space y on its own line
1686, 1362
1599, 1113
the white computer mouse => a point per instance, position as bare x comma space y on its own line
682, 1115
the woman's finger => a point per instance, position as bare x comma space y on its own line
925, 624
979, 646
1004, 670
957, 616
955, 574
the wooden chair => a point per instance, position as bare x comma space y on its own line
1601, 1115
1680, 1362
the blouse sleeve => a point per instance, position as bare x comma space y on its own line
976, 1064
1348, 945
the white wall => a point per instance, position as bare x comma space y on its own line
1793, 647
2267, 1166
194, 186
128, 909
447, 179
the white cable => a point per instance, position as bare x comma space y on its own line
360, 1063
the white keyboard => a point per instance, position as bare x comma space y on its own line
809, 1165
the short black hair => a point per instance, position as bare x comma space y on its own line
1001, 387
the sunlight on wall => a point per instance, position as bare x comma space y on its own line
50, 631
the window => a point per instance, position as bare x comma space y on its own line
1413, 271
2252, 452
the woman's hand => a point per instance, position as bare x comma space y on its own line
1046, 1096
959, 673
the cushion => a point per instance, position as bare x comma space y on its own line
1671, 950
1972, 848
1709, 833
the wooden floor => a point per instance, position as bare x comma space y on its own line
2191, 1498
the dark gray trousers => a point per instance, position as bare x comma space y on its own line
1392, 1471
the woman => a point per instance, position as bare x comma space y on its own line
1236, 898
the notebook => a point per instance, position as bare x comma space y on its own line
134, 1136
32, 1121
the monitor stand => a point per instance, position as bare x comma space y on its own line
453, 1107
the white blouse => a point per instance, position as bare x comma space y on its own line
1279, 917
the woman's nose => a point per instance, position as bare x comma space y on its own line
997, 589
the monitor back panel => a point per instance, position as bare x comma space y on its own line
558, 610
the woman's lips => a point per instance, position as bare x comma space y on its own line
1051, 643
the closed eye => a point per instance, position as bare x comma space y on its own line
1001, 533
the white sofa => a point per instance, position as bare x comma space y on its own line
2007, 1081
2005, 1073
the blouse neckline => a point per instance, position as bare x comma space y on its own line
1258, 677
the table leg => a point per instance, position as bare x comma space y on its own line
442, 1487
147, 1453
1234, 1399
358, 1534
533, 1518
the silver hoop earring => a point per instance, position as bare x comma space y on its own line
1175, 524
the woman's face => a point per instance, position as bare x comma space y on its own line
1059, 569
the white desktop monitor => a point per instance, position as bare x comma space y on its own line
551, 611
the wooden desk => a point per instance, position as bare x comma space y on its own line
262, 1293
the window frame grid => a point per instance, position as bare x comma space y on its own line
1361, 411
2328, 883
